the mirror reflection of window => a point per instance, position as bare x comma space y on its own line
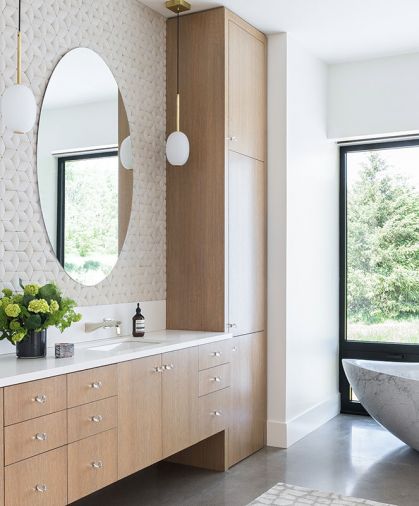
87, 225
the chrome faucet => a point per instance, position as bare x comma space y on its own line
107, 323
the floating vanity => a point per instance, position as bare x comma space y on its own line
73, 426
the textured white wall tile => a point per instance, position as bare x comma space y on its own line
131, 39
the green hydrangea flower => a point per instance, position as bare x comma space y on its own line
54, 306
18, 336
15, 325
7, 292
5, 301
31, 289
17, 299
38, 306
12, 310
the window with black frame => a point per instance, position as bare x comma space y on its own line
87, 215
379, 255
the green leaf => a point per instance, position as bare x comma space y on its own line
49, 292
33, 322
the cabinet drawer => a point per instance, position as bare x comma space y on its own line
91, 385
214, 412
92, 464
25, 439
36, 398
38, 481
213, 354
214, 379
93, 418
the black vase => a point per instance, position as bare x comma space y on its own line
33, 346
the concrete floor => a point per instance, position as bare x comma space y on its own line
350, 455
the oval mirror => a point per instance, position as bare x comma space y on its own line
84, 177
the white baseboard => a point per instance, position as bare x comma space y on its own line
285, 434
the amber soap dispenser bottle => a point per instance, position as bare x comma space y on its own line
138, 323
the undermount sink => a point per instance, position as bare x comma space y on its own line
126, 345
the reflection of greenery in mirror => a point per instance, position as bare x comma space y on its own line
84, 190
90, 221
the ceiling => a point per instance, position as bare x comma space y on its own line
333, 30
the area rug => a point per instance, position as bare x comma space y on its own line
289, 495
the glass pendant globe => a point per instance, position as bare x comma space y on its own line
177, 148
125, 153
18, 108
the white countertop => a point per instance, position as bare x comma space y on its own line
102, 352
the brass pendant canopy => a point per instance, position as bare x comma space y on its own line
178, 6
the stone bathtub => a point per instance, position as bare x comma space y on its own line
389, 391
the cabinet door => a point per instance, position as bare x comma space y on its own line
139, 414
248, 391
180, 400
38, 481
1, 451
246, 244
247, 90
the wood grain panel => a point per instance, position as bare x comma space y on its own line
92, 418
195, 192
248, 408
247, 89
214, 413
48, 470
91, 385
247, 244
208, 454
1, 451
216, 378
35, 398
125, 178
213, 354
139, 414
25, 439
92, 464
180, 400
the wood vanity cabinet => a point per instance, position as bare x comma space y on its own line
1, 451
216, 203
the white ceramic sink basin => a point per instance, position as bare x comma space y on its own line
125, 345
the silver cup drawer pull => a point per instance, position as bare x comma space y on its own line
216, 413
216, 354
158, 368
41, 436
96, 418
96, 385
41, 487
216, 379
169, 367
41, 398
98, 464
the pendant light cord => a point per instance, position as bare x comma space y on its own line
177, 56
19, 47
20, 9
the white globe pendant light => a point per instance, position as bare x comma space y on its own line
18, 104
177, 144
125, 153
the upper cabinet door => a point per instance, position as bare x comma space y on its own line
246, 244
246, 90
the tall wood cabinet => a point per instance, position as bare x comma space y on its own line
216, 203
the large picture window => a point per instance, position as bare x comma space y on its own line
379, 255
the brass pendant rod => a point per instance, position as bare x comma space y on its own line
19, 48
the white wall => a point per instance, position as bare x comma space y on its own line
67, 128
374, 98
303, 210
